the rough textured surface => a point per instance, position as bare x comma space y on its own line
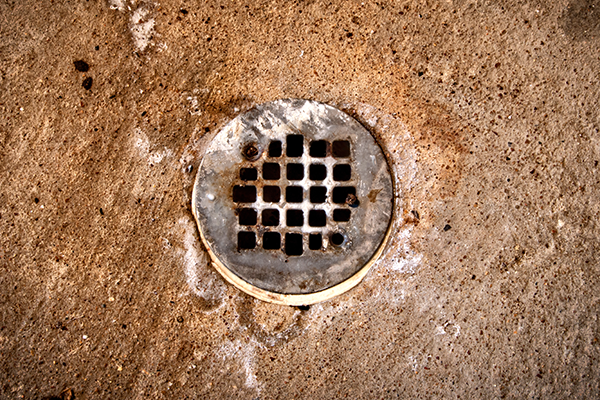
488, 110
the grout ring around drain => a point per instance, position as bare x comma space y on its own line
294, 202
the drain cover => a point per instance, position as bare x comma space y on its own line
293, 200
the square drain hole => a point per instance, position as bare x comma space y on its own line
271, 241
317, 172
244, 194
295, 172
293, 244
294, 194
342, 172
275, 149
340, 148
271, 171
294, 218
270, 217
315, 241
318, 148
248, 174
246, 240
294, 145
341, 215
247, 216
318, 194
341, 193
317, 218
271, 194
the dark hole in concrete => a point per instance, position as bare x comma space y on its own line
317, 172
275, 148
246, 240
244, 194
341, 192
248, 174
318, 194
294, 145
271, 171
337, 239
247, 216
341, 215
81, 66
293, 244
294, 194
342, 172
271, 194
318, 148
294, 218
87, 83
270, 217
317, 218
295, 172
340, 148
271, 241
315, 241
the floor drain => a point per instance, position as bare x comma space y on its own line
293, 200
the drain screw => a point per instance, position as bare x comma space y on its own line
251, 151
352, 200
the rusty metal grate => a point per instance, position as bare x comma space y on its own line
316, 192
293, 198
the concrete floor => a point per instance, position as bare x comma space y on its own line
488, 110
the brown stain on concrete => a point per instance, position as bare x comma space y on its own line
64, 262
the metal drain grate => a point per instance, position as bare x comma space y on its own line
293, 198
278, 199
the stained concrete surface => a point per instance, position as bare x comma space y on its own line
488, 111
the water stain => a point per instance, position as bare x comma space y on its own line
581, 19
269, 323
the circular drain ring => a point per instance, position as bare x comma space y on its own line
243, 142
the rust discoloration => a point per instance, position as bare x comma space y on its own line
373, 195
251, 151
